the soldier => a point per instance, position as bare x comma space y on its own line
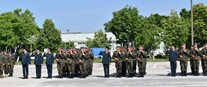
38, 61
71, 63
183, 57
81, 62
90, 62
204, 58
25, 59
11, 63
86, 57
106, 60
59, 60
76, 56
135, 64
173, 57
142, 61
49, 62
6, 64
124, 64
1, 64
195, 56
131, 56
118, 58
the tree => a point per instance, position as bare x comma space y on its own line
100, 40
125, 24
175, 29
49, 36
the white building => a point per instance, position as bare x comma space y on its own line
80, 39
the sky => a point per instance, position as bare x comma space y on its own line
89, 15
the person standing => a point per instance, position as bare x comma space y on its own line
90, 61
131, 55
49, 62
195, 57
142, 61
59, 60
38, 61
118, 58
1, 65
26, 60
173, 57
6, 64
106, 60
204, 58
183, 57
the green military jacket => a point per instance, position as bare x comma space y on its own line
204, 52
132, 56
59, 56
196, 53
121, 56
184, 54
142, 56
2, 58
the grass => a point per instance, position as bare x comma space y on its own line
98, 60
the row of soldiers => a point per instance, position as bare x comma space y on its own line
128, 59
7, 62
74, 62
195, 55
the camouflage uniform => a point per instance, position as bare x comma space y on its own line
11, 64
91, 63
130, 62
183, 57
142, 62
118, 63
6, 65
71, 64
1, 65
195, 61
59, 57
204, 58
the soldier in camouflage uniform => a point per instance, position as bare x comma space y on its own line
81, 63
90, 62
124, 63
204, 58
64, 63
1, 64
76, 55
183, 57
6, 64
142, 61
71, 63
86, 56
11, 63
195, 57
131, 56
118, 58
59, 59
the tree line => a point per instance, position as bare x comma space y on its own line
18, 29
131, 28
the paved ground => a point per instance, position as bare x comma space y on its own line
157, 76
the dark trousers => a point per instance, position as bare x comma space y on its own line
124, 68
173, 66
38, 70
49, 71
106, 70
25, 68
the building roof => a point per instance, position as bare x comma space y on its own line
81, 37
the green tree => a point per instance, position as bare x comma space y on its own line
125, 24
100, 40
175, 29
49, 36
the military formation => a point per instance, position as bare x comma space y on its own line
128, 59
195, 55
7, 62
74, 62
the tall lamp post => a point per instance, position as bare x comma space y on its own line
192, 33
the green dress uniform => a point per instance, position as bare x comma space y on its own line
204, 58
183, 57
130, 63
142, 62
195, 61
